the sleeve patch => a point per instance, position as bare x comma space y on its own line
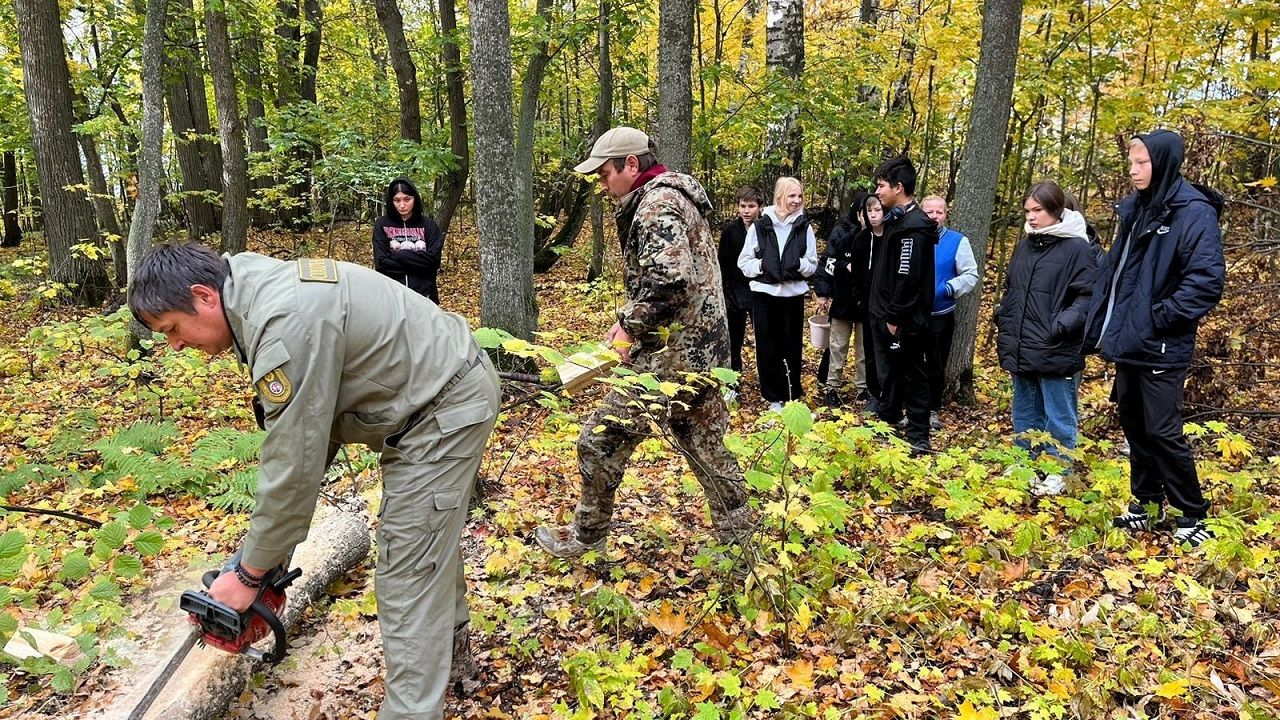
317, 270
904, 258
276, 386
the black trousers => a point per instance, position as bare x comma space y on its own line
942, 330
779, 324
904, 380
1160, 462
869, 352
737, 333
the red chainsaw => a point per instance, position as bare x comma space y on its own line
220, 626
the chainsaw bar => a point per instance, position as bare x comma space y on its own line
140, 710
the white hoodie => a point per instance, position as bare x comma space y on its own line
751, 266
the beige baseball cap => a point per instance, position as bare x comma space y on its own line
616, 143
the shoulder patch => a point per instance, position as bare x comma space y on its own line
317, 270
276, 387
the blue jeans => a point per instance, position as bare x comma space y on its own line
1048, 404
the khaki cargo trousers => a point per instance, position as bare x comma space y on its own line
427, 479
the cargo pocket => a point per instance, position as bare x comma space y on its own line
409, 534
456, 442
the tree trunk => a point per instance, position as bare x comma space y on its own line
784, 55
675, 88
189, 117
249, 49
104, 208
530, 89
235, 166
596, 268
406, 73
750, 10
68, 218
980, 170
506, 257
12, 231
147, 207
456, 181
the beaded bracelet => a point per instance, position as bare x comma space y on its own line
247, 578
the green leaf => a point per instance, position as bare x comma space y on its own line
140, 516
707, 711
761, 482
797, 418
725, 375
12, 543
767, 700
105, 589
490, 338
75, 566
111, 536
63, 681
8, 626
127, 566
149, 543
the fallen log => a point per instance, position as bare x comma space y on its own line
209, 680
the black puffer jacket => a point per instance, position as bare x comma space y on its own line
1166, 267
737, 288
1048, 289
837, 275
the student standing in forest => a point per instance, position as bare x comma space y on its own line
866, 245
339, 354
902, 301
834, 284
955, 274
1165, 272
1048, 288
780, 253
737, 289
407, 244
673, 324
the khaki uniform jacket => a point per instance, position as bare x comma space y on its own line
675, 311
337, 354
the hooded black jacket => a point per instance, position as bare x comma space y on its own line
415, 268
838, 276
902, 272
1165, 270
1048, 289
737, 288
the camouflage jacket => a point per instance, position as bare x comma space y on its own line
675, 311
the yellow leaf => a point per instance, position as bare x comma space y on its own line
969, 712
1173, 688
801, 673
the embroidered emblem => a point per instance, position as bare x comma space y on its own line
317, 270
275, 386
1163, 230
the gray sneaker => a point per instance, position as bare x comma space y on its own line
563, 541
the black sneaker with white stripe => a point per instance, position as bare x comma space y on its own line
1191, 531
1137, 518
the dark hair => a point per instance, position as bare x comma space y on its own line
165, 275
1050, 197
749, 193
403, 185
1071, 203
863, 199
898, 171
645, 161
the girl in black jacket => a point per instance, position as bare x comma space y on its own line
407, 244
835, 285
1040, 321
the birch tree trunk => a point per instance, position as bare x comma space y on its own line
68, 217
675, 84
784, 60
980, 171
235, 165
506, 257
147, 207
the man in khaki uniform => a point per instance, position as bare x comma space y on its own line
673, 323
340, 354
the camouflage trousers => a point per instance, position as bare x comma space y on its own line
697, 426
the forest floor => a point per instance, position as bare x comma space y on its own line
886, 587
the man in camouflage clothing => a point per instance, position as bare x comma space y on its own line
673, 323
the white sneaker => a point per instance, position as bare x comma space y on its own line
1051, 484
730, 397
775, 407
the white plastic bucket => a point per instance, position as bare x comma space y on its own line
819, 331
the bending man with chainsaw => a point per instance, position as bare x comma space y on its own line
673, 323
340, 354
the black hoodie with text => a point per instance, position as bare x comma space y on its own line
411, 264
902, 271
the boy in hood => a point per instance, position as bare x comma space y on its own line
1164, 273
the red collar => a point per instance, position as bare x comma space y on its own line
648, 175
